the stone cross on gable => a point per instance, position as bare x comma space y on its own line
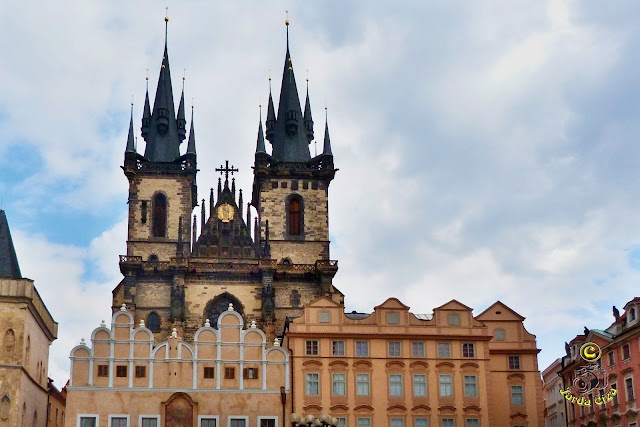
226, 169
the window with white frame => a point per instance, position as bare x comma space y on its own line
363, 382
446, 385
311, 347
397, 422
470, 386
362, 348
208, 422
517, 395
342, 422
628, 388
337, 348
395, 385
421, 422
267, 422
339, 382
87, 420
444, 349
394, 349
364, 422
118, 421
313, 384
468, 349
237, 422
472, 422
447, 422
417, 349
514, 362
419, 385
151, 421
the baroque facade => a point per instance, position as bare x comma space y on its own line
27, 330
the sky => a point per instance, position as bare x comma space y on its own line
487, 150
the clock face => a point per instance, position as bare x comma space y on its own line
225, 212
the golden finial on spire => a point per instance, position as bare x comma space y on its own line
286, 21
166, 14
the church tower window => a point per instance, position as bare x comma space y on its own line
9, 342
153, 322
295, 299
159, 215
295, 222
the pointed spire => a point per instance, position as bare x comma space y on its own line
219, 187
233, 187
9, 267
308, 120
211, 204
146, 112
326, 151
181, 119
202, 218
260, 148
249, 217
256, 231
271, 117
290, 143
191, 145
131, 142
194, 234
240, 204
162, 138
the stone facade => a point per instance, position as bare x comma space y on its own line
393, 368
27, 332
228, 372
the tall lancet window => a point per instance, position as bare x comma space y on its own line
159, 215
295, 216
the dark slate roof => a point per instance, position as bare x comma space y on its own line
162, 138
9, 267
290, 143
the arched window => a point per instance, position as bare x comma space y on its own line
159, 215
153, 258
9, 342
153, 322
219, 305
295, 216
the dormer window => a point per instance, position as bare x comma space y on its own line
632, 313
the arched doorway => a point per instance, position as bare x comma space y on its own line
219, 305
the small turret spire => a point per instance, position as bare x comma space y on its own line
194, 234
233, 187
240, 204
191, 145
181, 119
271, 117
146, 112
256, 231
131, 142
211, 204
308, 120
326, 151
202, 217
249, 217
260, 148
9, 267
219, 187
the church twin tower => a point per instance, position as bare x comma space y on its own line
177, 278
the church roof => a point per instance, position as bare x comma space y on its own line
9, 267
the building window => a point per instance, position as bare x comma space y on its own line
295, 299
499, 334
421, 422
444, 349
337, 348
397, 422
229, 373
118, 422
9, 342
614, 386
472, 422
153, 322
470, 386
612, 358
159, 215
394, 349
313, 384
141, 371
342, 422
393, 318
362, 348
468, 350
267, 422
250, 373
364, 422
395, 385
312, 348
207, 422
237, 422
417, 349
150, 421
121, 371
362, 384
339, 384
628, 386
419, 385
103, 370
209, 371
295, 216
88, 420
632, 313
514, 362
447, 422
324, 317
517, 395
454, 319
446, 385
626, 352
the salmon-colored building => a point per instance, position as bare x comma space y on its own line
395, 368
225, 377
